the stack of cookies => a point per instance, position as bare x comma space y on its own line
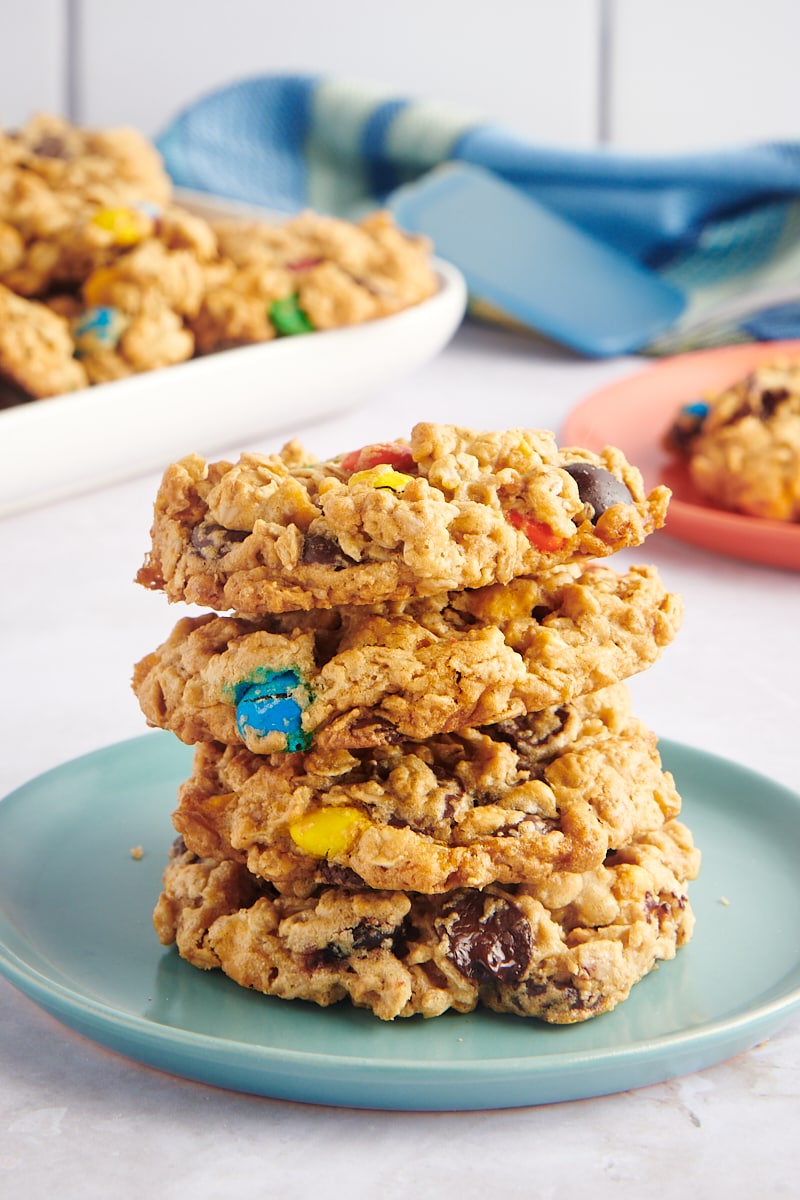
417, 783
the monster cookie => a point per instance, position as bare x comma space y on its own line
36, 349
450, 509
742, 445
513, 802
312, 272
73, 197
97, 164
563, 954
359, 676
88, 227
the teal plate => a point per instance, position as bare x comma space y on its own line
76, 936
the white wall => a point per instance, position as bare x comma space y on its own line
532, 63
34, 51
700, 73
641, 74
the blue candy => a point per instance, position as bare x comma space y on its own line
265, 706
99, 329
697, 409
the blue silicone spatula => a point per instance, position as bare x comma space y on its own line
534, 265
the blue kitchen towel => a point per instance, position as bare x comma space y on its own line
723, 227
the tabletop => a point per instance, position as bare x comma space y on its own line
93, 1123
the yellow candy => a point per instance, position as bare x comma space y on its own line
383, 476
121, 223
328, 831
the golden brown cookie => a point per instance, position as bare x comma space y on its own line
87, 223
561, 956
519, 801
742, 445
361, 676
36, 348
311, 272
94, 164
450, 509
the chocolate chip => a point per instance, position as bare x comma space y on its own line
771, 398
685, 428
487, 945
51, 147
368, 935
652, 906
543, 825
365, 936
343, 877
213, 541
530, 735
598, 488
746, 409
324, 550
368, 731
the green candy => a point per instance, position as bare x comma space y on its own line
288, 317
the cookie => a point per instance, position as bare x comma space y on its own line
361, 676
87, 222
94, 164
36, 349
112, 345
742, 445
515, 802
561, 956
75, 197
448, 510
311, 272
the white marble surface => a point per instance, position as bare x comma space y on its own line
79, 1121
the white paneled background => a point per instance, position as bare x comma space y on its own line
643, 75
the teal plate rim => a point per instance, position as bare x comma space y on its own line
76, 937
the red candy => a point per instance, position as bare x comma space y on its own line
393, 454
538, 534
303, 264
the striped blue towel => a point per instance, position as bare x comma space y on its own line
723, 227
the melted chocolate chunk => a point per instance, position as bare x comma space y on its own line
685, 428
51, 147
541, 824
373, 731
324, 550
530, 736
368, 935
343, 877
598, 488
771, 398
487, 947
213, 541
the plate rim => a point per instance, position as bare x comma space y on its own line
65, 1002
